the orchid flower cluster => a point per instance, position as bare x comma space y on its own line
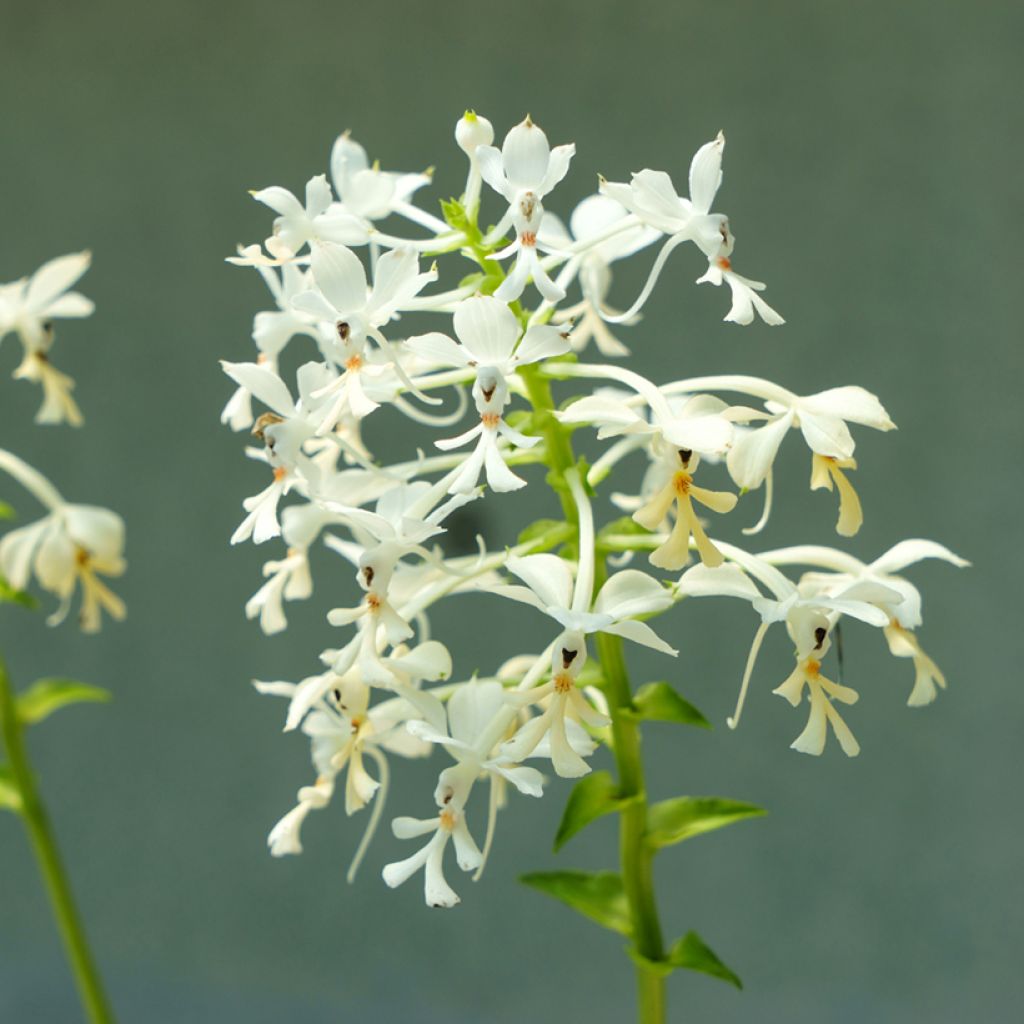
72, 546
343, 284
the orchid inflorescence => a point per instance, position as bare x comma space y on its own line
72, 545
505, 333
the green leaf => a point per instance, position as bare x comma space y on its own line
45, 696
691, 953
6, 511
10, 795
594, 796
14, 596
659, 702
597, 896
682, 817
454, 214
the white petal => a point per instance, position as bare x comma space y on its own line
280, 200
339, 274
907, 552
492, 170
853, 404
439, 349
641, 633
706, 174
53, 278
548, 576
630, 593
542, 342
826, 435
525, 154
726, 580
558, 167
487, 328
754, 451
264, 384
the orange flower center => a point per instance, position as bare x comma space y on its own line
681, 482
563, 682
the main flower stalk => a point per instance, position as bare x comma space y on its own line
635, 855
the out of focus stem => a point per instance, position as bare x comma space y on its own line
635, 854
44, 844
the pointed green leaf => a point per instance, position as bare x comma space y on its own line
592, 797
454, 214
597, 896
659, 702
10, 795
45, 696
672, 821
691, 953
14, 596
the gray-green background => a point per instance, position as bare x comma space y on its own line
872, 177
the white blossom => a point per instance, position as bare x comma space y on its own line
29, 307
523, 173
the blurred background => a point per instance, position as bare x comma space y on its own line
872, 148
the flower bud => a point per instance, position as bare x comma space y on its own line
472, 131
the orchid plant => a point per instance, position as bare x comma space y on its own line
507, 333
64, 552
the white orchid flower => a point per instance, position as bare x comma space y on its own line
450, 824
471, 710
370, 194
72, 546
271, 331
808, 620
652, 197
592, 224
624, 596
284, 431
344, 730
822, 418
904, 610
405, 516
557, 731
553, 588
523, 173
343, 299
29, 307
320, 219
488, 332
288, 578
675, 438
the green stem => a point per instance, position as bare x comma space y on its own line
635, 855
43, 842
